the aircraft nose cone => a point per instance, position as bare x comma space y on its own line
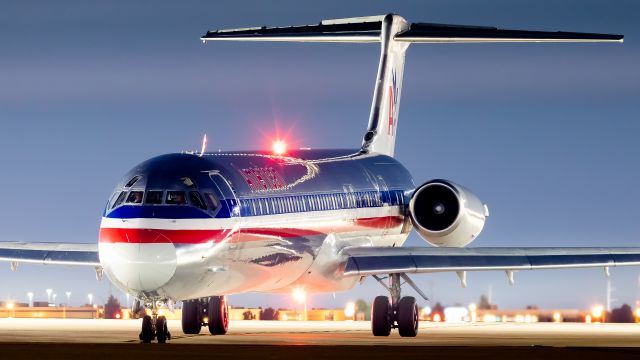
137, 259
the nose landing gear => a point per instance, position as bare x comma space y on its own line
212, 312
154, 327
401, 312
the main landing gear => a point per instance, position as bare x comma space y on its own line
212, 312
398, 312
154, 327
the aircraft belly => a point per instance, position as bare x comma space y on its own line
273, 253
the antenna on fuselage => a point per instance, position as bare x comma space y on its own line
204, 144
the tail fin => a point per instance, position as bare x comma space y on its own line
394, 34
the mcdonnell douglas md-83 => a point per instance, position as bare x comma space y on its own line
194, 227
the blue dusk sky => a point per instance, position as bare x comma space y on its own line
546, 134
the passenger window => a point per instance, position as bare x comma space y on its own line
135, 197
213, 201
153, 197
176, 198
196, 200
133, 180
119, 200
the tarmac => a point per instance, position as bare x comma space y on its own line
73, 338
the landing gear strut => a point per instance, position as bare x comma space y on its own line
154, 327
399, 312
212, 312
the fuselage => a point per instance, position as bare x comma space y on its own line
183, 226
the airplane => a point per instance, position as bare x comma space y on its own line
195, 227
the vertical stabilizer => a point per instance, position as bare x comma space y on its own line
383, 119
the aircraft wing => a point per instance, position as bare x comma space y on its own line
50, 253
389, 260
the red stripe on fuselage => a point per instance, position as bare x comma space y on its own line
155, 236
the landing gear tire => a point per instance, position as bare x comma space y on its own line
191, 322
147, 335
381, 316
408, 317
162, 331
218, 315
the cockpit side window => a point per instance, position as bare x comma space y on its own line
135, 197
195, 199
176, 198
119, 200
213, 201
154, 197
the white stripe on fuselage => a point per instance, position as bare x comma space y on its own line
262, 221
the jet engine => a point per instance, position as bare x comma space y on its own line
447, 214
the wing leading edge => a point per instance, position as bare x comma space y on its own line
50, 253
378, 261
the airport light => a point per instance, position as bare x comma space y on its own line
597, 312
90, 296
456, 314
301, 297
10, 308
426, 311
68, 293
638, 313
30, 296
473, 312
350, 310
489, 318
49, 292
557, 317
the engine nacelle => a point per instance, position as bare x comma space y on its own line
446, 214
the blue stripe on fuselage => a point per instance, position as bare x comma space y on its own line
158, 212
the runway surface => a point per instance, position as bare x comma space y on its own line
53, 336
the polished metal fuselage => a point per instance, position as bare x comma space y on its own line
269, 236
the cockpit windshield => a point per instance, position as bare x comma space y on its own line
135, 197
154, 197
191, 196
176, 198
119, 200
195, 199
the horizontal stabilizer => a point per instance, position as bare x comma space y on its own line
440, 33
362, 29
369, 29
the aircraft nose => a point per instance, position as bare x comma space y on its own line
137, 259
